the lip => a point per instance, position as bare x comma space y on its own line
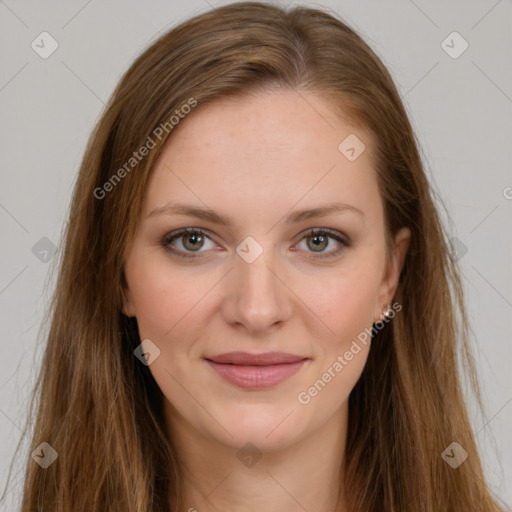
256, 371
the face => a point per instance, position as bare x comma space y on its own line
266, 280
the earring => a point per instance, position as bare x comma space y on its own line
388, 312
384, 316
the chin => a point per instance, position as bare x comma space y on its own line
268, 427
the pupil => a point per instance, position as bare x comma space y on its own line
193, 239
318, 240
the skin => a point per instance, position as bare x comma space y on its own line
255, 160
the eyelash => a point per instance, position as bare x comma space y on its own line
167, 239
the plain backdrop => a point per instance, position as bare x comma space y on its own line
459, 100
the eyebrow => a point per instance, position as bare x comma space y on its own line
212, 216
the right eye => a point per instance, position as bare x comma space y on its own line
192, 240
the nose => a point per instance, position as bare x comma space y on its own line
257, 297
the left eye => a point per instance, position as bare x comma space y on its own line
319, 239
193, 239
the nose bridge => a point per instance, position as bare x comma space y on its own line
258, 296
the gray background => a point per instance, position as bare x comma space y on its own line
460, 108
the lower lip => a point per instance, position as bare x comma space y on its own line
256, 377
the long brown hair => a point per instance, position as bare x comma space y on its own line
101, 410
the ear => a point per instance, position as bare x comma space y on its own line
391, 275
128, 305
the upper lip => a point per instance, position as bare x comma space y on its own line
263, 359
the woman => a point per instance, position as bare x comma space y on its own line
257, 308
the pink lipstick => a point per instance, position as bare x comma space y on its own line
256, 371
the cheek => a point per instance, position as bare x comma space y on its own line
345, 301
341, 357
165, 300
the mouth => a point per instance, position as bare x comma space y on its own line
256, 371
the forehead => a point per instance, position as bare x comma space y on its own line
264, 152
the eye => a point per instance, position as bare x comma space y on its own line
318, 239
192, 240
